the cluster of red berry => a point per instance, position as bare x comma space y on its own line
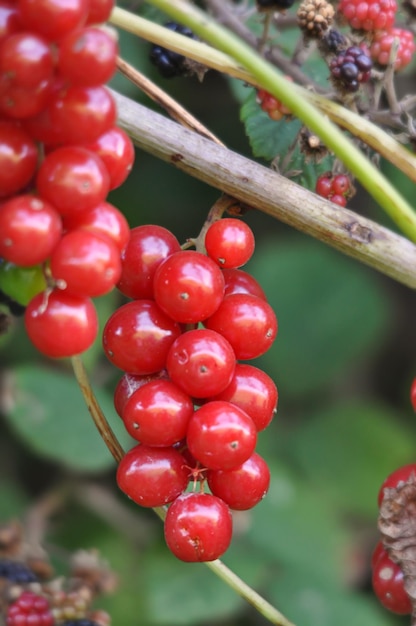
337, 188
193, 315
274, 108
60, 155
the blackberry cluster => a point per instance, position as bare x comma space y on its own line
169, 63
274, 5
16, 572
350, 68
333, 42
79, 622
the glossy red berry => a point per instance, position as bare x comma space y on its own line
198, 527
9, 19
128, 384
61, 325
138, 336
87, 56
18, 158
53, 19
274, 108
229, 242
242, 487
152, 476
188, 286
397, 479
247, 322
105, 220
21, 103
253, 391
369, 15
238, 281
221, 436
30, 609
378, 552
413, 394
99, 11
148, 246
201, 362
116, 150
30, 228
25, 60
388, 585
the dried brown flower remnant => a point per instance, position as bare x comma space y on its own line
397, 524
315, 17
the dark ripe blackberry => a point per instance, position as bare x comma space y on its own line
79, 622
169, 63
274, 5
16, 572
350, 68
334, 42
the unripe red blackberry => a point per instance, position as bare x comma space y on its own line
30, 609
382, 43
369, 15
350, 68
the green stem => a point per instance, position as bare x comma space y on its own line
271, 80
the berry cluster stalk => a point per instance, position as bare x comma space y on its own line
270, 79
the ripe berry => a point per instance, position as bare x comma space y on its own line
238, 281
152, 476
221, 436
198, 527
378, 551
128, 384
99, 11
388, 585
138, 336
229, 242
79, 622
413, 394
18, 158
9, 19
247, 322
188, 286
53, 19
370, 15
201, 362
270, 105
170, 63
397, 479
61, 325
336, 188
242, 487
29, 609
382, 42
273, 5
105, 220
350, 68
16, 572
116, 150
25, 60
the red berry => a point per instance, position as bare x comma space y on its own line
18, 158
73, 179
397, 479
238, 281
378, 552
22, 102
116, 150
148, 246
9, 18
30, 228
221, 436
273, 107
338, 199
382, 42
53, 19
128, 384
157, 413
323, 185
25, 60
61, 325
388, 585
99, 11
229, 242
152, 476
248, 323
370, 15
413, 394
201, 362
105, 220
86, 264
242, 487
188, 286
87, 57
138, 336
253, 391
198, 527
341, 185
30, 609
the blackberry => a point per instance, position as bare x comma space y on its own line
274, 5
79, 622
169, 63
350, 68
16, 572
333, 42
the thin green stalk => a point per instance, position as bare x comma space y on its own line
266, 74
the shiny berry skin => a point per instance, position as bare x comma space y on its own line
152, 476
99, 11
21, 103
337, 188
201, 362
92, 48
25, 60
148, 246
30, 609
53, 19
18, 158
157, 413
242, 487
238, 281
198, 527
350, 68
253, 391
370, 15
382, 42
229, 242
247, 322
388, 585
128, 384
73, 179
397, 479
339, 200
413, 394
85, 263
271, 105
30, 228
138, 336
170, 63
188, 286
9, 19
61, 325
116, 150
323, 185
378, 552
221, 436
105, 220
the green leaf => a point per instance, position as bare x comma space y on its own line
359, 444
332, 313
49, 414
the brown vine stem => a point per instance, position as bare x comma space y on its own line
268, 611
263, 189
